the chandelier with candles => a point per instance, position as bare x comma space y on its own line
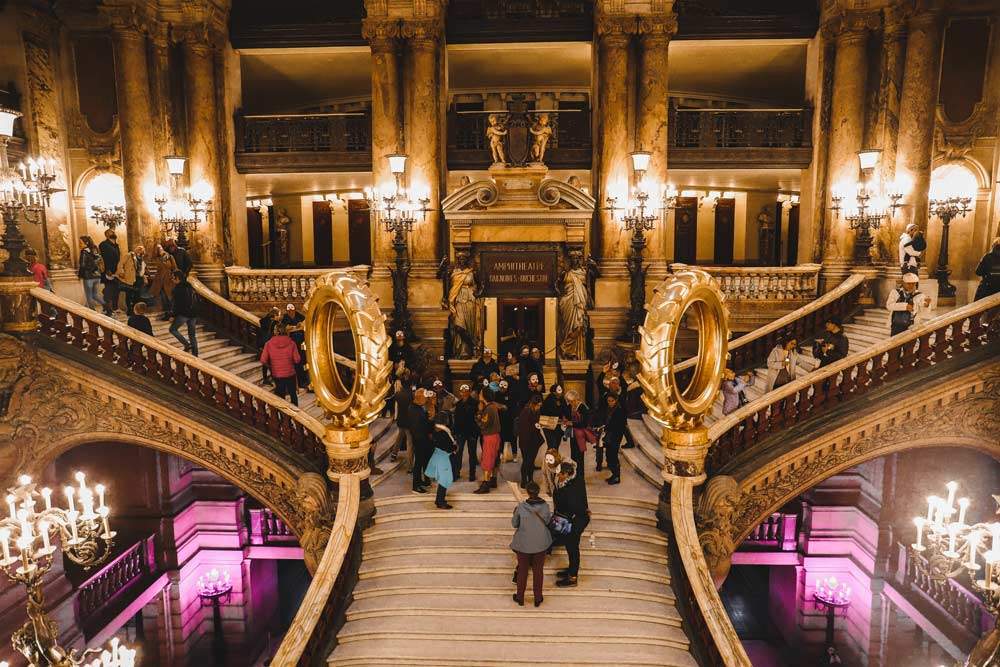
182, 209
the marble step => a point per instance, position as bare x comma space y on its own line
614, 579
414, 538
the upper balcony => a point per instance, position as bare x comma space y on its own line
698, 139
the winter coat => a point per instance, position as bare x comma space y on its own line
775, 362
404, 398
185, 300
570, 496
111, 252
465, 416
164, 280
182, 259
841, 346
131, 269
280, 355
531, 519
989, 270
528, 436
267, 329
731, 390
88, 264
141, 323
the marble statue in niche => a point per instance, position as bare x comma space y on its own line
281, 223
574, 303
466, 309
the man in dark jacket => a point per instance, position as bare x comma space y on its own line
988, 270
466, 431
111, 253
570, 500
529, 438
268, 325
293, 319
403, 399
422, 431
614, 431
833, 345
180, 255
485, 366
185, 312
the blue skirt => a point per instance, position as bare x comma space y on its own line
439, 468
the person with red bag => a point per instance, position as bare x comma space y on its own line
579, 419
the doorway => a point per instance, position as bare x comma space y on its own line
686, 230
255, 237
725, 229
322, 234
522, 322
359, 232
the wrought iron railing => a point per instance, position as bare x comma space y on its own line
740, 128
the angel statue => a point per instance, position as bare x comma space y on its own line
466, 308
541, 133
574, 303
495, 132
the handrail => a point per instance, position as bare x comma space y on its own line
960, 331
317, 611
277, 286
798, 269
702, 608
109, 339
753, 347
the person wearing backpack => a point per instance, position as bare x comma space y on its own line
532, 539
185, 312
90, 272
906, 304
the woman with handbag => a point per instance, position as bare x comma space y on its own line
570, 500
782, 363
532, 538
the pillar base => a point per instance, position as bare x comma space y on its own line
575, 377
460, 371
347, 452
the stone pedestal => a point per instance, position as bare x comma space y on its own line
212, 275
575, 375
66, 284
460, 371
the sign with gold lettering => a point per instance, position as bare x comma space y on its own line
519, 273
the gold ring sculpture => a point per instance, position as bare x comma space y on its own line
682, 410
349, 409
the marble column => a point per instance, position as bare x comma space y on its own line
202, 140
917, 111
612, 130
847, 120
387, 113
424, 131
652, 111
162, 101
138, 147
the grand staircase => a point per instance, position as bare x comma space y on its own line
435, 586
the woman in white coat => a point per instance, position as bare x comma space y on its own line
782, 364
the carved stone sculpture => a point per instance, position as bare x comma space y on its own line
541, 132
495, 133
314, 500
466, 308
714, 517
574, 302
281, 234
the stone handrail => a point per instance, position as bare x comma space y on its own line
239, 324
957, 332
308, 636
103, 592
779, 531
751, 350
276, 287
763, 283
713, 637
266, 527
960, 604
109, 339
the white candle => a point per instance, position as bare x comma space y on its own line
973, 546
104, 524
43, 528
952, 488
20, 166
100, 495
80, 477
72, 524
931, 504
5, 543
952, 536
12, 506
47, 495
995, 537
919, 522
69, 496
963, 505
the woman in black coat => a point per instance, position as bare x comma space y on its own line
529, 439
570, 499
555, 405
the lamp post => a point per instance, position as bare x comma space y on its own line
947, 209
873, 202
182, 209
84, 537
953, 549
25, 193
215, 590
638, 216
396, 210
831, 595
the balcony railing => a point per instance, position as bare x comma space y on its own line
779, 532
569, 147
303, 142
114, 586
259, 289
753, 138
267, 528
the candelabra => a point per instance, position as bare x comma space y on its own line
953, 549
182, 209
109, 215
25, 193
396, 210
947, 209
831, 595
214, 589
84, 537
873, 203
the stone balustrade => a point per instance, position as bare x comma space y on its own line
778, 532
960, 604
267, 528
303, 142
260, 289
764, 283
110, 589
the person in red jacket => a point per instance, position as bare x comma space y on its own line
281, 355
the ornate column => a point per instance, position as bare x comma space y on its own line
423, 141
134, 115
847, 121
387, 116
202, 140
162, 100
612, 130
652, 102
917, 111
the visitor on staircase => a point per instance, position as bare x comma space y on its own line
281, 355
632, 402
614, 430
90, 272
529, 439
293, 319
537, 363
989, 271
833, 345
265, 331
111, 254
532, 540
421, 432
182, 258
907, 304
439, 466
570, 500
185, 312
404, 393
162, 287
782, 364
466, 431
508, 417
489, 426
132, 276
484, 367
400, 353
911, 246
550, 469
555, 416
734, 390
139, 321
579, 421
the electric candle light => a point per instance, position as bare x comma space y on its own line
973, 547
43, 529
5, 543
952, 537
69, 496
919, 523
963, 505
47, 496
12, 506
952, 488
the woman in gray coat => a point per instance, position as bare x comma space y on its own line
531, 540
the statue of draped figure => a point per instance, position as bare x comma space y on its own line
467, 310
574, 302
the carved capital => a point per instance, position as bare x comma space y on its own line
127, 20
851, 27
657, 29
423, 33
317, 509
381, 34
713, 517
616, 29
930, 21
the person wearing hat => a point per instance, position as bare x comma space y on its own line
485, 366
832, 345
907, 304
294, 321
466, 431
